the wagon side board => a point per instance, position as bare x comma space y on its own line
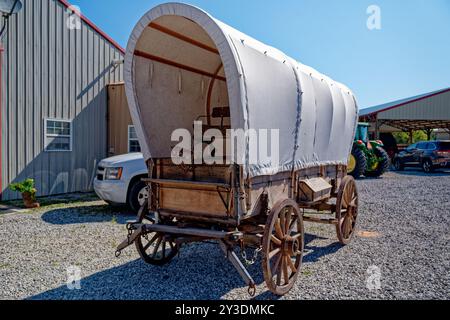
220, 194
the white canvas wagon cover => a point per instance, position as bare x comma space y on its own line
176, 51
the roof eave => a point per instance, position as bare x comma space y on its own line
93, 26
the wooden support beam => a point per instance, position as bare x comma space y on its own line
210, 89
177, 65
319, 220
195, 232
182, 37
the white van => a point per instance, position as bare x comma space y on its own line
118, 180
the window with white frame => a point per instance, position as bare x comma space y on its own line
58, 135
133, 141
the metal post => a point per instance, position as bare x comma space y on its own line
377, 128
1, 120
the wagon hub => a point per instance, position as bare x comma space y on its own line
290, 246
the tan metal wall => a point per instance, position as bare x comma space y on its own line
118, 120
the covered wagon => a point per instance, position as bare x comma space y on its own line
188, 73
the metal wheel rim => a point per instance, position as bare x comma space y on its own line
347, 210
426, 166
143, 196
283, 246
351, 164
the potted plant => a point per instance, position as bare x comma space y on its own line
28, 191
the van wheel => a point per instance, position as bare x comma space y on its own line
427, 166
398, 165
137, 195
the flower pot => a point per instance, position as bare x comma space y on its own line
29, 200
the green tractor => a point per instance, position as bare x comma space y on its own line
368, 158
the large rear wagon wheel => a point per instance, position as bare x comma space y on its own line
283, 245
155, 248
346, 210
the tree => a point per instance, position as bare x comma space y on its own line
403, 137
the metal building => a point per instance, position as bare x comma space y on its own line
424, 112
55, 69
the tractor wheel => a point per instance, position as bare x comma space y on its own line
382, 166
357, 163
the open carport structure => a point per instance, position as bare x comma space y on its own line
424, 112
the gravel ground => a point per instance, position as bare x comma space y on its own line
406, 216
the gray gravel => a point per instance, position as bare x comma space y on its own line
410, 213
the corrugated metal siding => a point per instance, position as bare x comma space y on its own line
433, 108
119, 120
52, 71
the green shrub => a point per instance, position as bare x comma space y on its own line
25, 186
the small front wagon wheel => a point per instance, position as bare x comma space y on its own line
346, 210
155, 248
283, 245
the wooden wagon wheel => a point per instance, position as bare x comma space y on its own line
283, 245
155, 248
346, 210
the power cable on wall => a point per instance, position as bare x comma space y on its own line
6, 18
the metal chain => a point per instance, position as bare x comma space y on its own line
254, 258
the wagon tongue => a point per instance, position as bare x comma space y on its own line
135, 230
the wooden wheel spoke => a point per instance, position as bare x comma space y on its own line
283, 222
296, 236
274, 253
291, 264
275, 240
288, 220
348, 194
293, 223
347, 228
280, 271
347, 225
285, 270
354, 200
276, 267
278, 230
164, 249
352, 217
155, 251
150, 242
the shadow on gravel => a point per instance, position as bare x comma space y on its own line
201, 273
89, 214
314, 253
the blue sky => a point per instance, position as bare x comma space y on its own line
410, 55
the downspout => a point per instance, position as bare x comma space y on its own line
1, 120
